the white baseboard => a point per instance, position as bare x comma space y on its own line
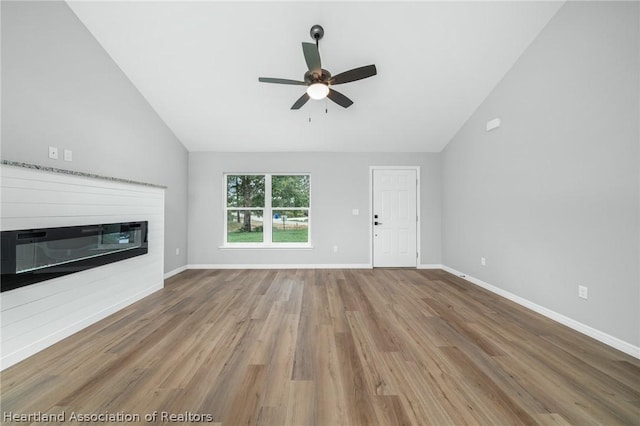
430, 266
23, 353
282, 266
601, 336
175, 271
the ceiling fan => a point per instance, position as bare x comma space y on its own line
318, 80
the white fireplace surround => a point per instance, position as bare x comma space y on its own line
39, 315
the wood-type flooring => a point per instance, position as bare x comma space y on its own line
324, 347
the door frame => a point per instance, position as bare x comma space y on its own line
418, 214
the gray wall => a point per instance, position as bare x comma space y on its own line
339, 183
551, 198
60, 88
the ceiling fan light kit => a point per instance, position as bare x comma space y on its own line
318, 91
318, 80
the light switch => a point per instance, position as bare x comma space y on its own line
355, 212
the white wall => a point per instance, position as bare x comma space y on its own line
60, 88
36, 316
551, 198
339, 183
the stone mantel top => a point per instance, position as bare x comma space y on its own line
75, 173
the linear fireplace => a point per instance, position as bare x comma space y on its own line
34, 255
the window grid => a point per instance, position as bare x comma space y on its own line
267, 212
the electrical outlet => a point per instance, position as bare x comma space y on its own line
583, 292
53, 152
355, 212
68, 155
483, 261
335, 249
178, 251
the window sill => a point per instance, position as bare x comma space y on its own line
280, 246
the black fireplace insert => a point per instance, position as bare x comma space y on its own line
33, 255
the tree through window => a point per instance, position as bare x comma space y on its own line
245, 208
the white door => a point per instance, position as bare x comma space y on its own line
394, 218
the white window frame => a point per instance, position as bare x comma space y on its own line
267, 214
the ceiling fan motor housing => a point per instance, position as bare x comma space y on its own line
313, 77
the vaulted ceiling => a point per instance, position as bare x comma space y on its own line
198, 63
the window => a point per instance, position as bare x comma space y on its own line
267, 210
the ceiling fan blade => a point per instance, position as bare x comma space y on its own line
339, 98
301, 101
312, 56
281, 81
354, 75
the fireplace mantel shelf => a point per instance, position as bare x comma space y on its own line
75, 173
